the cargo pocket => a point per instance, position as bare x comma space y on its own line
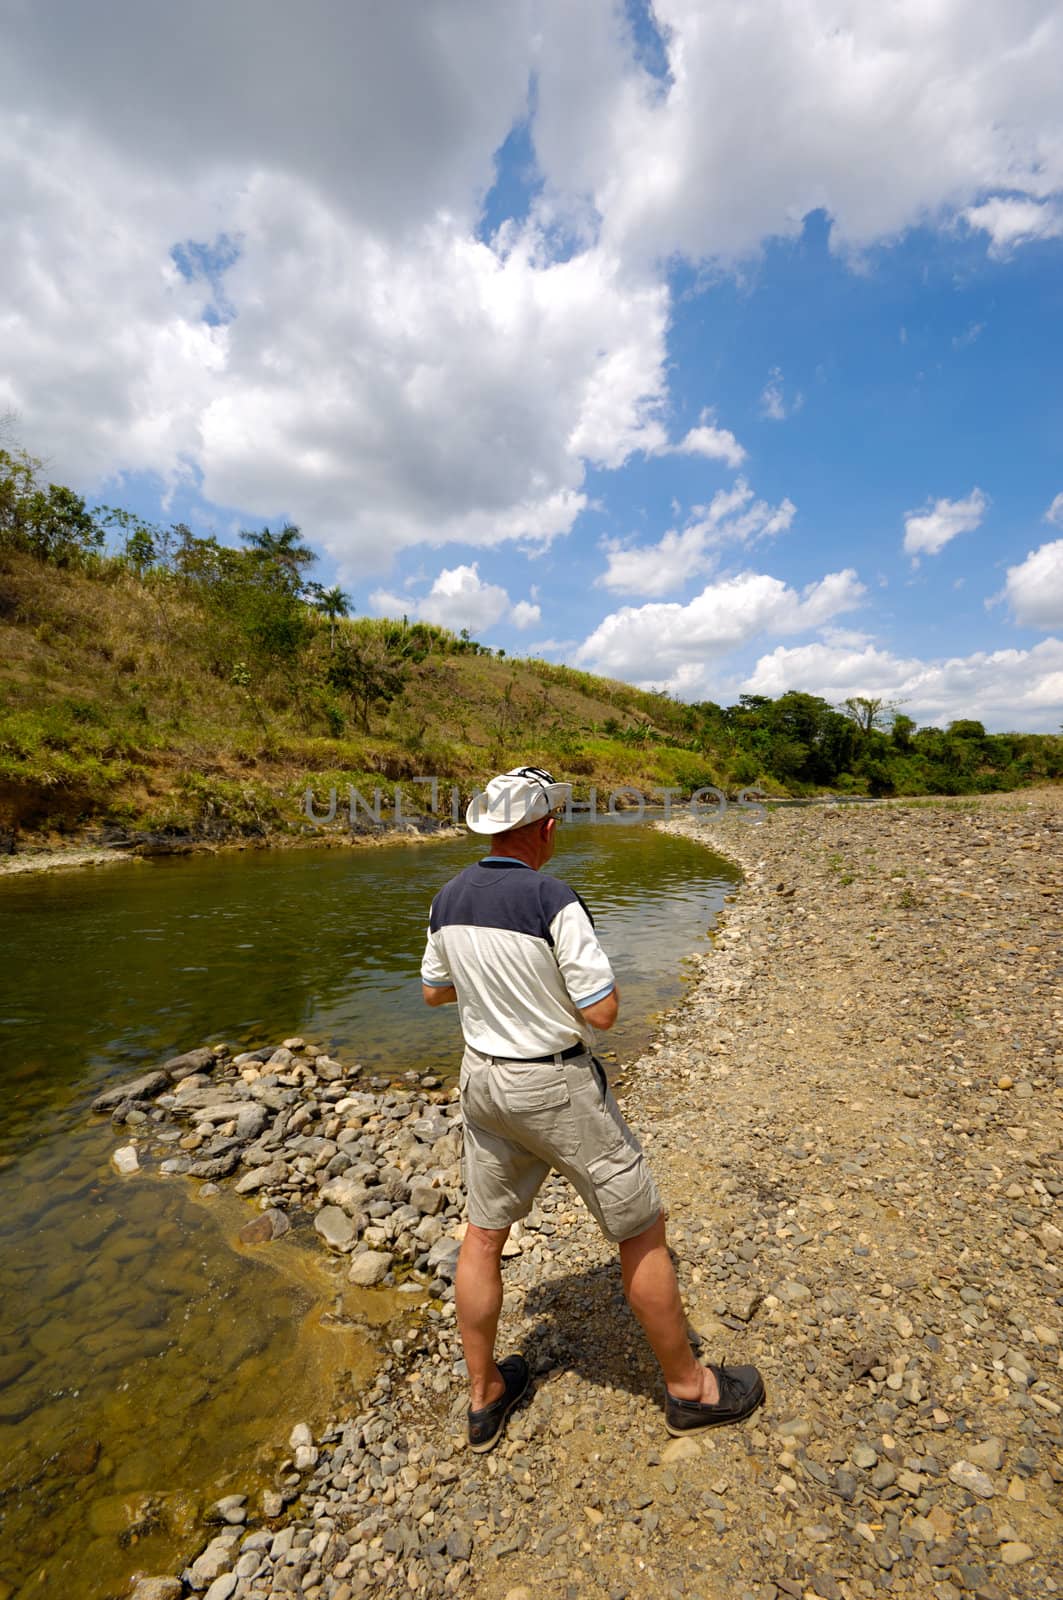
540, 1117
627, 1200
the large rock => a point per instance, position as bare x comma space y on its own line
124, 1159
261, 1177
221, 1111
426, 1197
193, 1061
158, 1589
347, 1193
142, 1088
443, 1258
370, 1267
335, 1227
272, 1224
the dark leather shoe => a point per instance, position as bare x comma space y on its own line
741, 1392
486, 1426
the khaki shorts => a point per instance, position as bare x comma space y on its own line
522, 1120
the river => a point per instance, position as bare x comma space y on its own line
141, 1350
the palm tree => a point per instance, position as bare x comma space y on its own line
332, 603
284, 550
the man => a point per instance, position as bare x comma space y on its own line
518, 953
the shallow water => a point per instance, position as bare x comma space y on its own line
141, 1351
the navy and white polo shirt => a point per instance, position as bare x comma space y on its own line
521, 951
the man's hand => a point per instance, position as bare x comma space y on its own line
435, 996
603, 1013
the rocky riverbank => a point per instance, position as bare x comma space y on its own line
854, 1118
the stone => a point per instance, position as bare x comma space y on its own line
970, 1477
125, 1159
214, 1560
192, 1061
680, 1450
988, 1454
265, 1228
335, 1227
1014, 1553
370, 1267
142, 1088
426, 1197
306, 1458
864, 1457
300, 1435
158, 1589
347, 1193
222, 1587
232, 1508
443, 1258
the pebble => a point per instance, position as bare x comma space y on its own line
125, 1159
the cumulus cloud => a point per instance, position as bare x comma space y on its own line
880, 115
1010, 222
1034, 588
928, 531
1004, 689
672, 644
1054, 514
459, 598
732, 517
718, 444
525, 614
373, 366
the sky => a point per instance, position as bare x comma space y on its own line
715, 348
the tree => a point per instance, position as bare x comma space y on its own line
866, 712
49, 522
332, 603
371, 674
284, 550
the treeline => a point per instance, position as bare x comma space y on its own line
149, 670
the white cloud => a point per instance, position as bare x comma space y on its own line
928, 531
1005, 689
884, 116
773, 402
673, 644
1010, 222
1034, 588
459, 598
525, 615
660, 568
381, 374
718, 444
1054, 514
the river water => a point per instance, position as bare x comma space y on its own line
142, 1350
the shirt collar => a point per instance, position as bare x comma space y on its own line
503, 861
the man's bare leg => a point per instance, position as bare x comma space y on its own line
478, 1300
653, 1295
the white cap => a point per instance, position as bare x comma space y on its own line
514, 798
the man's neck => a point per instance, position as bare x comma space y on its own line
526, 859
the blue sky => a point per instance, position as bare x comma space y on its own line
716, 351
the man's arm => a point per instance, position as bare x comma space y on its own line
603, 1013
436, 994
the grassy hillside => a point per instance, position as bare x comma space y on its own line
188, 689
113, 710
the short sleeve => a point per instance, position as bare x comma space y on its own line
434, 970
583, 963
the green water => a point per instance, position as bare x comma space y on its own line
141, 1354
